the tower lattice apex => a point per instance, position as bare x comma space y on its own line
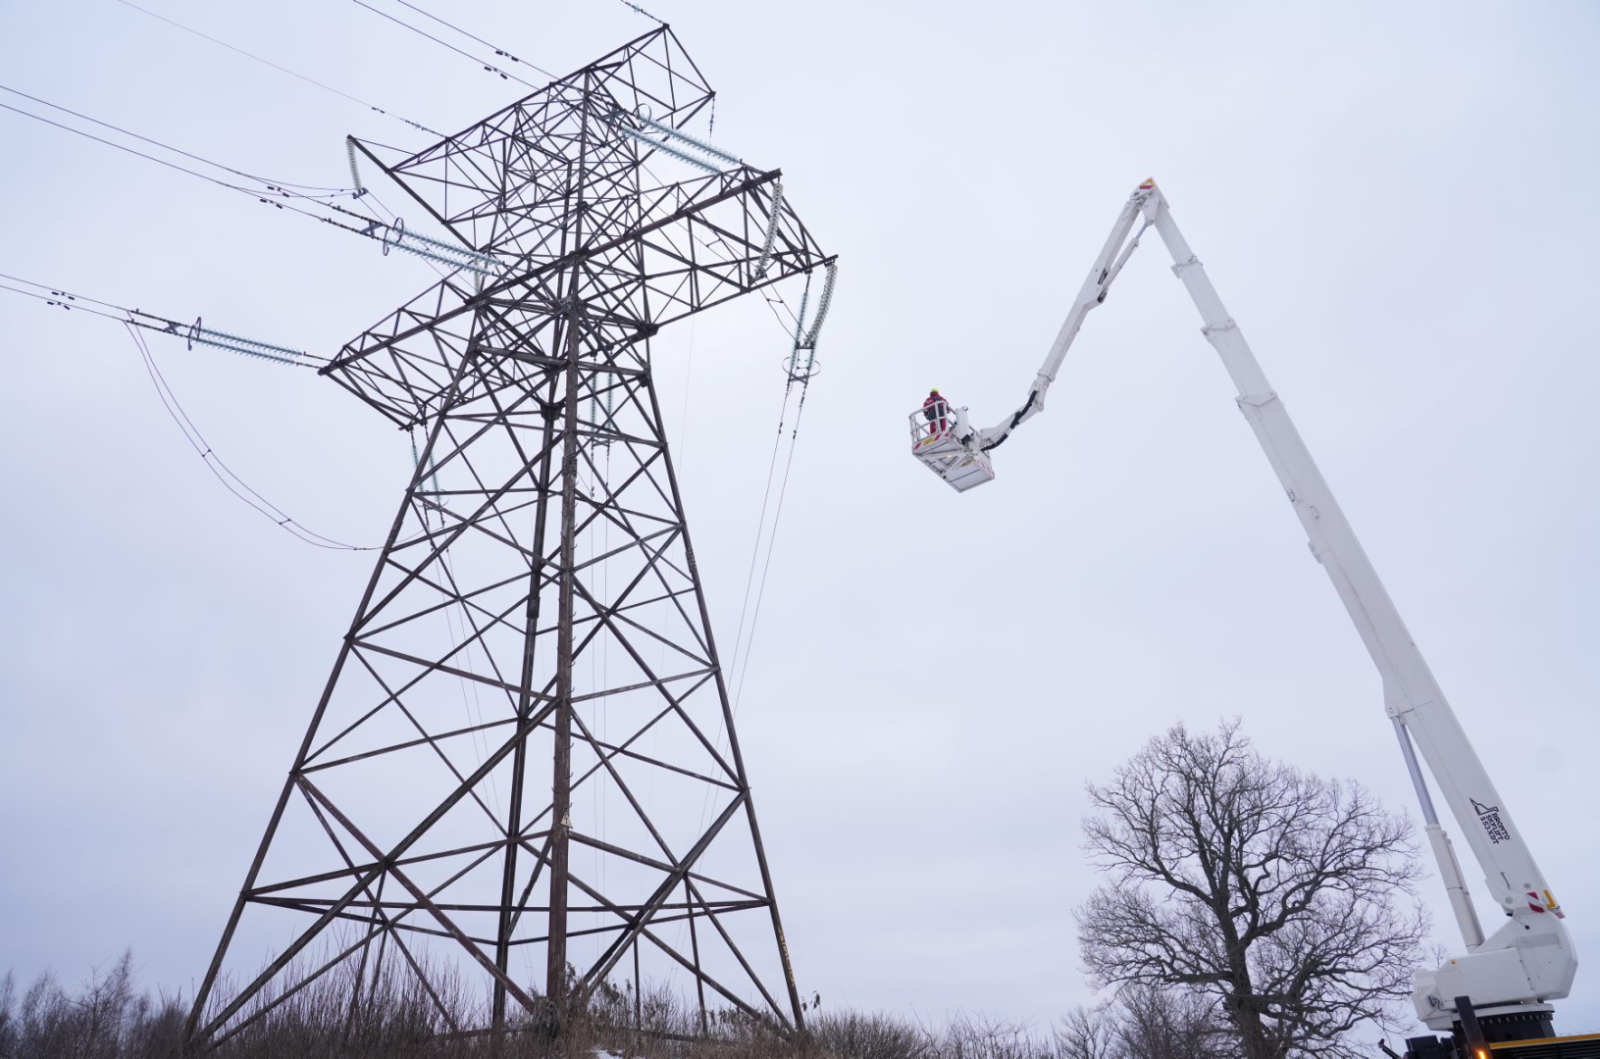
521, 783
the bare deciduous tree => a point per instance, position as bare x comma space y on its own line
1286, 898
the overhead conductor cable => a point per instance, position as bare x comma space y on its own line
282, 69
283, 196
222, 472
446, 44
193, 334
497, 49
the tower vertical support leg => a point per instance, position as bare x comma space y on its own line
561, 780
203, 995
694, 947
733, 737
509, 906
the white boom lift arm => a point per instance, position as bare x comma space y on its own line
1515, 972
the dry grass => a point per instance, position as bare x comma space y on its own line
108, 1017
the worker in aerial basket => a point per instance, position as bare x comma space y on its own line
935, 409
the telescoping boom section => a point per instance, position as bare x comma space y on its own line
1499, 990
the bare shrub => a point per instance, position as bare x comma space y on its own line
8, 1025
394, 1017
856, 1036
981, 1037
106, 1020
1143, 1022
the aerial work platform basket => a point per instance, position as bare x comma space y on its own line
936, 430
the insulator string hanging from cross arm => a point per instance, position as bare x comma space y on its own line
805, 339
823, 304
355, 172
773, 296
799, 329
770, 241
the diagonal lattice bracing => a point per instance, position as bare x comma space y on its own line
521, 784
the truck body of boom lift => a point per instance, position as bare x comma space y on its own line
1496, 996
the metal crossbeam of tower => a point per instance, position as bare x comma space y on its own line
521, 785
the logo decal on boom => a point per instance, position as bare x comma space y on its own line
1489, 816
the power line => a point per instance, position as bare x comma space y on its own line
276, 191
761, 524
389, 235
497, 50
272, 184
62, 300
193, 334
230, 481
447, 254
737, 670
772, 538
123, 147
283, 69
444, 44
642, 11
132, 322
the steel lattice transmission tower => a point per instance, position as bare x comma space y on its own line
522, 780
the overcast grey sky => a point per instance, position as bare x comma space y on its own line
1392, 199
